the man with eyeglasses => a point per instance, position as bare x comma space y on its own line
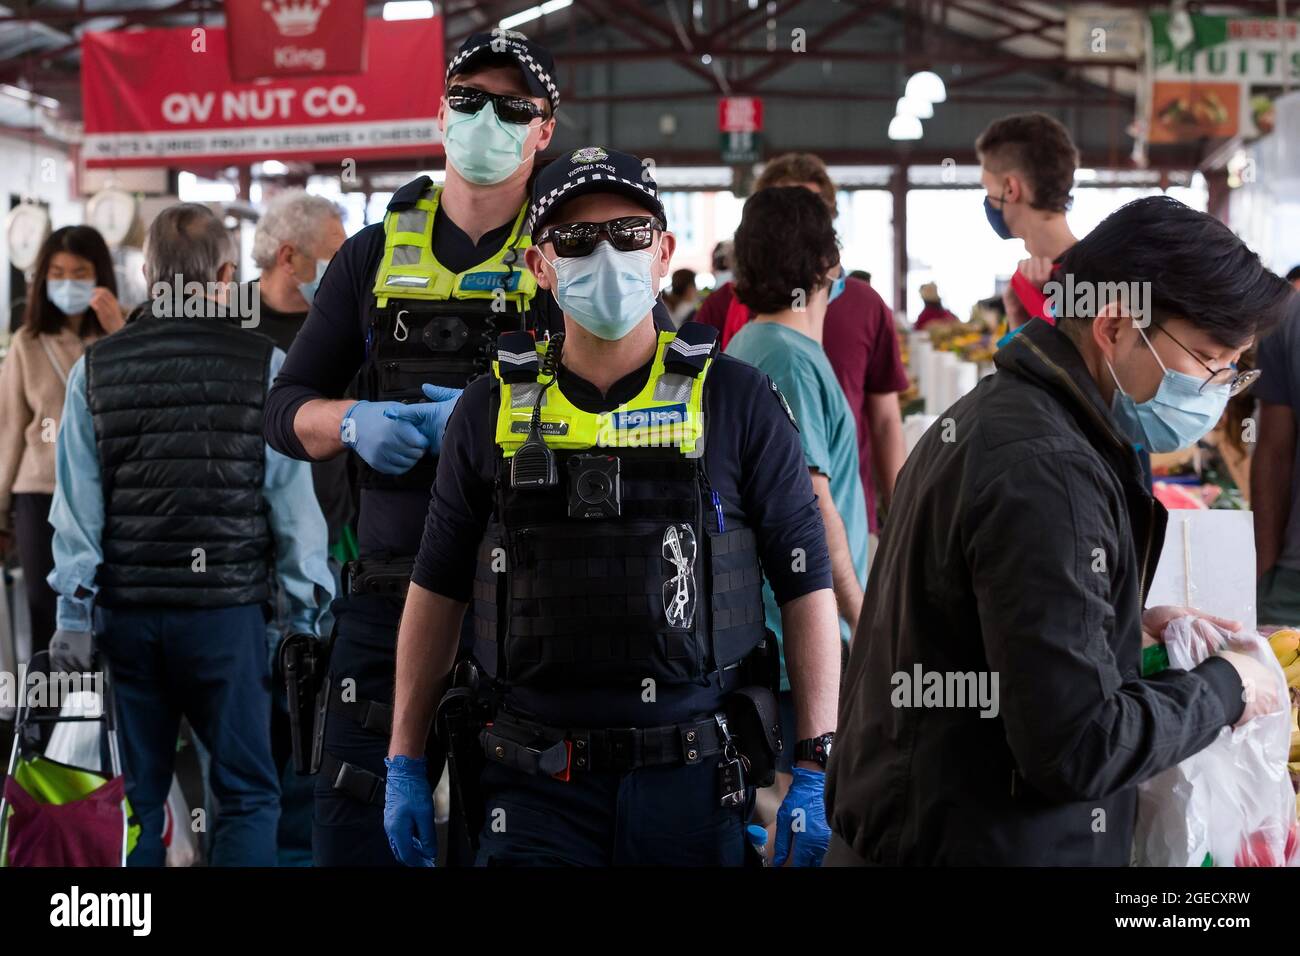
994, 710
609, 503
410, 309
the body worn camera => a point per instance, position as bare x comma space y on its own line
445, 333
595, 488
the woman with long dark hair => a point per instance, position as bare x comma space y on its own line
72, 301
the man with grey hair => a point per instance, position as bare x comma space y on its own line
170, 517
294, 241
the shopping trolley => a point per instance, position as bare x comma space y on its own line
71, 812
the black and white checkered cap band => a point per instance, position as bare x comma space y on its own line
544, 203
520, 53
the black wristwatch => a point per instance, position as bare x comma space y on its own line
816, 749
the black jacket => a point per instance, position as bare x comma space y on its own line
177, 406
1021, 544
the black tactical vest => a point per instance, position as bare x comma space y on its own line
177, 406
666, 589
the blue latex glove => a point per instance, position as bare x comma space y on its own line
802, 835
408, 811
389, 445
429, 417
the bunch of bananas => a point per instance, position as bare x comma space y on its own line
1286, 647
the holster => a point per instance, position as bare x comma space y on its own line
304, 661
753, 715
320, 703
462, 714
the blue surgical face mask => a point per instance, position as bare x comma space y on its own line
995, 217
1180, 413
482, 148
71, 296
837, 287
308, 289
608, 292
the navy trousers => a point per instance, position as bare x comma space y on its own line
346, 832
656, 816
211, 666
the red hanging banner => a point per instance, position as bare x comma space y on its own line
295, 37
166, 98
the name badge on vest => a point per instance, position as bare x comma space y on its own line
546, 428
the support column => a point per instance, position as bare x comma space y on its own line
898, 189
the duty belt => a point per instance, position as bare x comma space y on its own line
617, 749
387, 577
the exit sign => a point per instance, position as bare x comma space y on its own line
740, 114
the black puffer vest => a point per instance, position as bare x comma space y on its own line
177, 406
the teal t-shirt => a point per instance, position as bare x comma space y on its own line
827, 430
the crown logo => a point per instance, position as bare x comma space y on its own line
295, 18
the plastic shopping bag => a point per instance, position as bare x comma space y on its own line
1232, 803
77, 742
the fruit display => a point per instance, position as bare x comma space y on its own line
1198, 110
1285, 644
905, 352
968, 342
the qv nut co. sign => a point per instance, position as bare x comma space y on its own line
157, 97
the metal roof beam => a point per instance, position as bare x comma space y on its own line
649, 48
1015, 30
854, 96
75, 15
861, 11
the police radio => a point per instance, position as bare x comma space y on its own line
533, 465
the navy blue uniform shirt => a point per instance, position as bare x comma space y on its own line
754, 462
331, 347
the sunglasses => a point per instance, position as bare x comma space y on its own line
574, 239
510, 109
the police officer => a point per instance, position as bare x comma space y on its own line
410, 309
608, 503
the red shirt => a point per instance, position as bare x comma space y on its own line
934, 313
860, 342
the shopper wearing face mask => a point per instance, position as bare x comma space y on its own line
1016, 564
609, 504
409, 308
293, 244
295, 239
71, 302
787, 271
1027, 164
